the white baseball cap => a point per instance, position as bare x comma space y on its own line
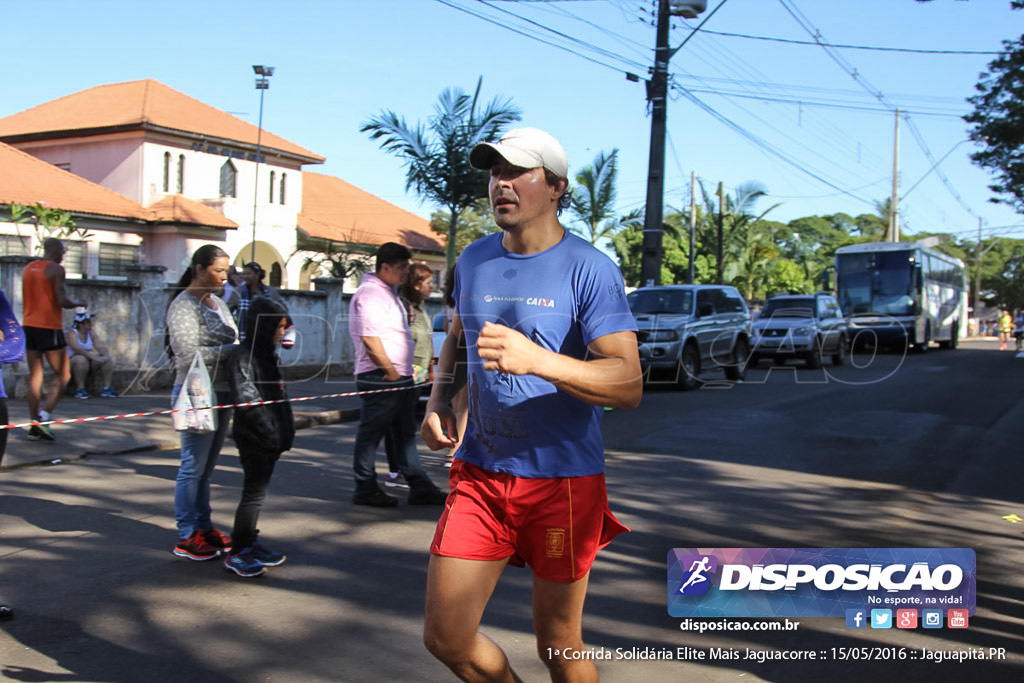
525, 148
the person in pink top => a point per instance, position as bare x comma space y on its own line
379, 327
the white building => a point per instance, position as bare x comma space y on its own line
182, 174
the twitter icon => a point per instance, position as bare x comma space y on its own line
881, 618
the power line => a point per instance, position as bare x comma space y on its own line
846, 66
852, 47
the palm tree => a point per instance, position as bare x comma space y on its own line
437, 155
593, 199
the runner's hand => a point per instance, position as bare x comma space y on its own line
505, 350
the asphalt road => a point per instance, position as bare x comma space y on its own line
922, 451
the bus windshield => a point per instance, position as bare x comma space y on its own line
876, 282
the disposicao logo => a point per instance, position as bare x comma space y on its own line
818, 582
697, 581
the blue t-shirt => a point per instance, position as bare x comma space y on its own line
562, 298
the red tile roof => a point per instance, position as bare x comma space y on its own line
141, 104
27, 180
336, 210
175, 208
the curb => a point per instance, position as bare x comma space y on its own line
303, 420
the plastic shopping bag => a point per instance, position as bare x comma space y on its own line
12, 337
193, 407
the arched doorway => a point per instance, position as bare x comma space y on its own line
269, 259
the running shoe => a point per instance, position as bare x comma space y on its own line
396, 480
217, 539
266, 556
196, 548
244, 564
108, 392
40, 432
82, 393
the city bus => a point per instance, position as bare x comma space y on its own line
901, 294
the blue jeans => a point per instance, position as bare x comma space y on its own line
198, 459
393, 412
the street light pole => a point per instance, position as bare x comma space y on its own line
263, 74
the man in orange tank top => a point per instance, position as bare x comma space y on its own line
43, 298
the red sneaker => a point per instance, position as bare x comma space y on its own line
217, 539
195, 547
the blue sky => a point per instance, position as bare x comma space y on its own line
816, 130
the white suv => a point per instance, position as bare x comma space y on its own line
807, 327
686, 329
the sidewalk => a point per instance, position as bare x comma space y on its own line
133, 434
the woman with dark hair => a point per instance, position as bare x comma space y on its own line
261, 432
12, 349
252, 286
413, 292
199, 322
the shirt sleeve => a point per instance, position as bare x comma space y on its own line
603, 306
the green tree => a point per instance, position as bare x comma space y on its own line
738, 239
593, 198
47, 222
437, 154
350, 257
474, 222
997, 123
628, 244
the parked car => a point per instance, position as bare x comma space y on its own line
807, 327
439, 335
684, 330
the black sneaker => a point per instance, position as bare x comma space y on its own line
41, 433
425, 495
5, 613
377, 499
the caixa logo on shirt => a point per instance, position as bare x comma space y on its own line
816, 582
537, 301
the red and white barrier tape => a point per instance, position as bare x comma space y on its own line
220, 407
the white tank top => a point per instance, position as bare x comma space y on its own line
84, 342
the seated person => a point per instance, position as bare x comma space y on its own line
88, 354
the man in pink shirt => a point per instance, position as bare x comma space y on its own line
383, 344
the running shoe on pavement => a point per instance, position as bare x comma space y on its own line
244, 564
196, 548
266, 556
217, 539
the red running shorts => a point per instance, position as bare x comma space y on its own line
556, 526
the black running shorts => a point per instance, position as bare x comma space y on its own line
44, 339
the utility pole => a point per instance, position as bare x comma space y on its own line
721, 234
657, 95
894, 206
690, 275
977, 271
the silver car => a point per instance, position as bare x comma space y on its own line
807, 327
684, 330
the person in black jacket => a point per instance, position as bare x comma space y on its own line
261, 432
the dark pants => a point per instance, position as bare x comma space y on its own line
391, 412
257, 466
3, 432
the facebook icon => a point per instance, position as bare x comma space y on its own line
856, 618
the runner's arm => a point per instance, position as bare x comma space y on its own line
439, 424
610, 375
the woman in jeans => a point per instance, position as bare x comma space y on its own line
12, 349
198, 321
